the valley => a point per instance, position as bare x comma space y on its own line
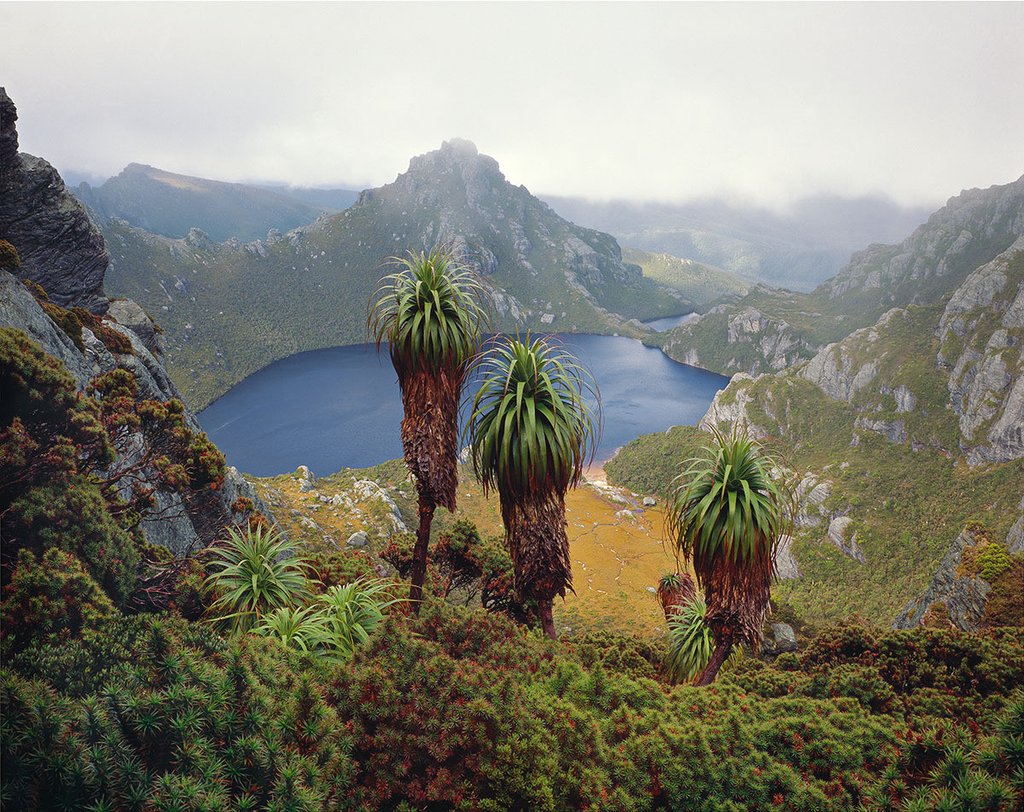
181, 634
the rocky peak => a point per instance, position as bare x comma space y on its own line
58, 245
971, 229
454, 172
8, 131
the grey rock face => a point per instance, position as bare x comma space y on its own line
1015, 538
19, 309
786, 566
981, 332
837, 532
173, 524
307, 482
58, 245
964, 597
132, 316
905, 400
358, 540
895, 431
730, 407
835, 372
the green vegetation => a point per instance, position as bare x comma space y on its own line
257, 572
72, 477
908, 506
697, 283
726, 517
530, 434
689, 641
429, 315
461, 709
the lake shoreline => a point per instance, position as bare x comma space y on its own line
340, 407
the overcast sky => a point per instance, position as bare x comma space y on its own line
763, 102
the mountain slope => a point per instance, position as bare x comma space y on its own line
906, 436
169, 204
797, 249
772, 329
697, 282
230, 309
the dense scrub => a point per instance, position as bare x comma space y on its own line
465, 709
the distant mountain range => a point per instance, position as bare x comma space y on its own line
229, 308
795, 250
168, 204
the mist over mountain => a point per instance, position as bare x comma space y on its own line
795, 249
323, 199
169, 204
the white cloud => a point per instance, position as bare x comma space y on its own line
637, 100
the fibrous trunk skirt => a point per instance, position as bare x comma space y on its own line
737, 596
538, 544
430, 433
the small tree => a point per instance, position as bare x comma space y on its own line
531, 432
727, 516
429, 316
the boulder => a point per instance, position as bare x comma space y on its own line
837, 530
780, 639
358, 540
306, 479
785, 562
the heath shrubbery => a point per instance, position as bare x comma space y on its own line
466, 709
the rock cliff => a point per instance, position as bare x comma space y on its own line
58, 245
51, 235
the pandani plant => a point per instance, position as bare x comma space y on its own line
726, 518
531, 433
429, 315
256, 572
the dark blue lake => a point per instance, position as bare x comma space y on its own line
340, 408
667, 323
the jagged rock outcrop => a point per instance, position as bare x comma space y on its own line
173, 524
54, 229
786, 566
839, 535
131, 315
1015, 538
963, 597
737, 338
773, 338
982, 347
972, 228
729, 407
59, 247
836, 370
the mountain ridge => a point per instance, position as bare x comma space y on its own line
309, 288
